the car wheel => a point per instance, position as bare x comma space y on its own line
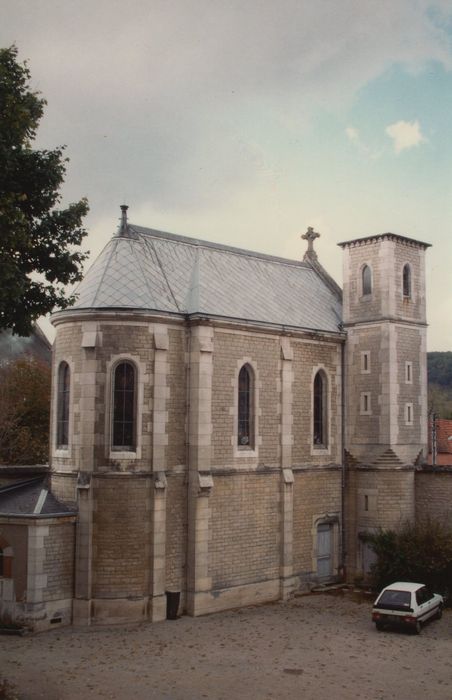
379, 626
439, 614
417, 628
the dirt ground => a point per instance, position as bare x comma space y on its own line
313, 648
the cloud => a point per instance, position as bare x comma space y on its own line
353, 134
405, 135
169, 104
354, 137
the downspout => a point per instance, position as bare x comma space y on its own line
343, 472
187, 450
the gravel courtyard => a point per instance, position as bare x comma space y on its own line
313, 648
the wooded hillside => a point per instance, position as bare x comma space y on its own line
439, 367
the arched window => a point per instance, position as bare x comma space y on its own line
245, 431
124, 411
406, 281
367, 280
64, 387
320, 437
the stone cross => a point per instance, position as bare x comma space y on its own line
310, 237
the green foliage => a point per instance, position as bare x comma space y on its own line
440, 400
420, 552
38, 243
439, 368
24, 412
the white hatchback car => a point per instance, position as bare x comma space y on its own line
406, 605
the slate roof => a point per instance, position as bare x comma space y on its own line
145, 269
31, 497
13, 347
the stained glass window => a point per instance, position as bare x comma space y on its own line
245, 407
124, 407
64, 386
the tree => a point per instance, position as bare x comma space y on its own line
24, 412
38, 254
420, 552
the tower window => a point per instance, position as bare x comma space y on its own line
124, 409
408, 414
64, 382
367, 280
365, 362
365, 407
406, 281
320, 410
245, 407
408, 372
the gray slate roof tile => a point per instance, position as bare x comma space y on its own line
22, 498
152, 270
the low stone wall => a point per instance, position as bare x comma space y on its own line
433, 489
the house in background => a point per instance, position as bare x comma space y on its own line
443, 432
36, 345
225, 426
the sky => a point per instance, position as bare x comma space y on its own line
246, 121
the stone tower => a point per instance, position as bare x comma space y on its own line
386, 383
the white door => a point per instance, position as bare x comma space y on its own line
324, 550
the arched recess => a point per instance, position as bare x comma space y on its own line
124, 406
245, 407
63, 405
320, 410
406, 281
366, 280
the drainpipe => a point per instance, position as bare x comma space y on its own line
343, 474
434, 444
187, 449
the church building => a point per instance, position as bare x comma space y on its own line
225, 427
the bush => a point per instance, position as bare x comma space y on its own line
24, 412
420, 552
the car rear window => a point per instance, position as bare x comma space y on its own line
394, 600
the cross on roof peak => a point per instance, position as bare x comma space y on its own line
310, 237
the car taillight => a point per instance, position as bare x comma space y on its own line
410, 620
376, 616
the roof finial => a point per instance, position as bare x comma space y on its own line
310, 237
124, 225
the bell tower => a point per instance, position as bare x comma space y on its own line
386, 381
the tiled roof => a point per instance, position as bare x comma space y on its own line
13, 347
443, 432
151, 270
31, 497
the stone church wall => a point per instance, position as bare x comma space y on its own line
176, 451
134, 523
434, 494
58, 564
245, 529
308, 358
121, 528
176, 533
317, 499
376, 498
231, 351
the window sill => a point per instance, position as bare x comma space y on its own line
320, 450
123, 454
62, 452
245, 452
